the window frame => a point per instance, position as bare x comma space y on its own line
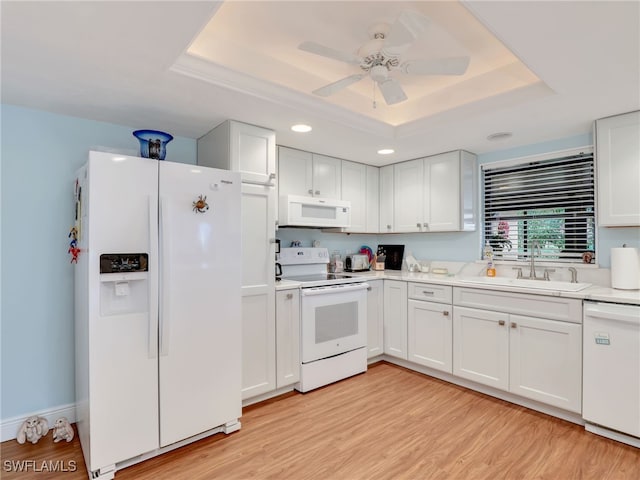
518, 161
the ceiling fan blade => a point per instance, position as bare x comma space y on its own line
328, 52
392, 91
337, 86
436, 66
403, 32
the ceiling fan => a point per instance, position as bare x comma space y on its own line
380, 56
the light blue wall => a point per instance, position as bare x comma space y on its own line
40, 154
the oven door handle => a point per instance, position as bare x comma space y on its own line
341, 288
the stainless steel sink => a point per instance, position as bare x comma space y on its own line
527, 283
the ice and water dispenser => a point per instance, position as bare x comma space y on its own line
124, 283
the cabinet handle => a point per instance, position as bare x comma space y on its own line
289, 296
310, 191
425, 225
501, 322
445, 313
369, 289
514, 324
427, 292
317, 192
418, 224
388, 227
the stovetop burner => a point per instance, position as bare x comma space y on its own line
317, 280
318, 277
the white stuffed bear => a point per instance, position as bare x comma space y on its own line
62, 430
32, 429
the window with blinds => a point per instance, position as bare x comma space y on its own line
550, 202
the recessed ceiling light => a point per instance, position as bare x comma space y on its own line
494, 137
301, 128
386, 151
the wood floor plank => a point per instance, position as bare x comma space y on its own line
389, 423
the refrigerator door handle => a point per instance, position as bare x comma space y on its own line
152, 348
165, 250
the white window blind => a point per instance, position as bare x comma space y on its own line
550, 202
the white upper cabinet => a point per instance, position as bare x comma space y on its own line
238, 146
295, 169
408, 189
327, 176
354, 189
386, 200
435, 194
618, 167
307, 174
442, 194
360, 187
373, 199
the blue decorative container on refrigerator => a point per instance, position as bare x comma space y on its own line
153, 143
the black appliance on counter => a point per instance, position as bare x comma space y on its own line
393, 254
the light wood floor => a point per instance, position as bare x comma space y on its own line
389, 423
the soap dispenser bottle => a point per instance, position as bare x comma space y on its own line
488, 256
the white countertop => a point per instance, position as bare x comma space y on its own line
594, 293
283, 284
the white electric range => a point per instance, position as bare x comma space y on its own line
333, 313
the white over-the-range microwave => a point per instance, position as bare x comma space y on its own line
301, 211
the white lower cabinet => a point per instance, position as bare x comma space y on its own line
545, 361
430, 330
430, 334
258, 344
375, 328
481, 346
395, 318
287, 337
533, 357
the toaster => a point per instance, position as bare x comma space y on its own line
356, 263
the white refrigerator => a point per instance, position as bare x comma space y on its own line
158, 321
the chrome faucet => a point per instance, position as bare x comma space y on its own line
574, 274
532, 256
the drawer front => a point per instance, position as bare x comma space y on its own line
543, 306
430, 292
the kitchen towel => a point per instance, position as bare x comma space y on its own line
625, 268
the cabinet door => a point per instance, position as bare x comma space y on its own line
258, 290
408, 196
481, 346
386, 224
375, 328
354, 189
546, 361
442, 192
295, 172
253, 152
430, 334
395, 318
618, 160
372, 200
287, 337
327, 176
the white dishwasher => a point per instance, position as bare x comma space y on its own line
611, 371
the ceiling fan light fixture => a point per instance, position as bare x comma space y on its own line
386, 151
301, 128
379, 73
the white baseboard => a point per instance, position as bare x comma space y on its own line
10, 426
